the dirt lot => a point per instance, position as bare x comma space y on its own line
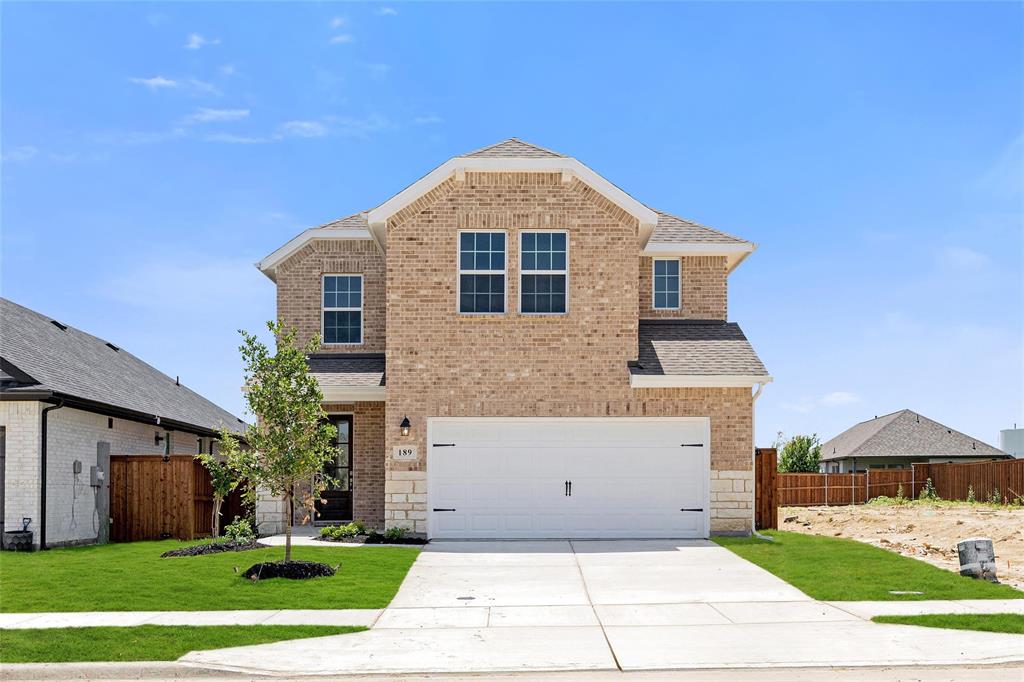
929, 533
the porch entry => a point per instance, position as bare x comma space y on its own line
336, 502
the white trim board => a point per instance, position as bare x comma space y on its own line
268, 266
458, 166
352, 394
697, 380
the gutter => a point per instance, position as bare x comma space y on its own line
42, 471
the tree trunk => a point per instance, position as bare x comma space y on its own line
217, 500
288, 525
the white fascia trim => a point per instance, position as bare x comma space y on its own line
352, 394
377, 218
734, 253
268, 264
696, 380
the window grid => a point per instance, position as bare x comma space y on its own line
543, 272
665, 291
342, 310
482, 260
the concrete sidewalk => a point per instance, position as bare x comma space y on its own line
16, 621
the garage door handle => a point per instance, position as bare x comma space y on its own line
437, 509
692, 510
444, 445
691, 445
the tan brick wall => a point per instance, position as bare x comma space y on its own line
441, 363
703, 289
300, 289
367, 459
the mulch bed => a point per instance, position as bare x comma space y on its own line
214, 548
374, 539
293, 570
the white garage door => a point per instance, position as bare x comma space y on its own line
547, 477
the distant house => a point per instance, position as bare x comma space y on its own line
1011, 441
68, 402
897, 440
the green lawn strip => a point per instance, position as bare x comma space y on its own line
838, 569
984, 622
133, 577
144, 642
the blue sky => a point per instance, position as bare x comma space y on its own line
153, 152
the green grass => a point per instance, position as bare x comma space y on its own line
984, 622
838, 569
145, 642
133, 577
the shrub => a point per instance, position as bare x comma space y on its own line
800, 453
394, 533
239, 530
970, 495
900, 499
928, 492
995, 497
348, 530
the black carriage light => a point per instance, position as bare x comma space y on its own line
405, 426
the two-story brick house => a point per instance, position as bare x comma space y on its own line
515, 347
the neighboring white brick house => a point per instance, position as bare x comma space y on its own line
103, 401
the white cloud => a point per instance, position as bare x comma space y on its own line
386, 12
341, 39
155, 83
131, 138
963, 259
23, 153
427, 120
338, 22
202, 86
303, 129
204, 115
196, 41
228, 70
229, 138
839, 398
357, 127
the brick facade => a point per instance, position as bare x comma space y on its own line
300, 287
703, 289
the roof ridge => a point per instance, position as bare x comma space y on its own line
884, 427
517, 140
701, 225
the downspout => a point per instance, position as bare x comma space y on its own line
753, 507
42, 472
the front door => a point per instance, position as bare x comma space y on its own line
336, 504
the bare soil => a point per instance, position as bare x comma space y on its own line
925, 532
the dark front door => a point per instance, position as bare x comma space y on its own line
337, 499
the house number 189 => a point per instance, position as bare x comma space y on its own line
404, 452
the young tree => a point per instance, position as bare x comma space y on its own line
800, 453
292, 440
223, 478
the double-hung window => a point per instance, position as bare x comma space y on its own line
666, 284
481, 272
544, 273
343, 309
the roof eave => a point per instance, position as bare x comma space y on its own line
735, 253
698, 380
268, 266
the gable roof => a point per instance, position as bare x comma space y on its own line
705, 352
51, 358
661, 234
905, 433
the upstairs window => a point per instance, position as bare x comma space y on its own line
481, 272
666, 284
544, 273
343, 309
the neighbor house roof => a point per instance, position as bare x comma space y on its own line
348, 376
905, 433
661, 233
705, 352
44, 358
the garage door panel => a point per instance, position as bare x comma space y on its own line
506, 477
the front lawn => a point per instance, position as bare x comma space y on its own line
133, 577
837, 569
984, 622
144, 642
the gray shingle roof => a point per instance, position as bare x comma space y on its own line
905, 433
74, 364
348, 369
673, 229
695, 347
356, 221
514, 148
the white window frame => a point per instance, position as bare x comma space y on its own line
679, 284
459, 272
523, 272
324, 309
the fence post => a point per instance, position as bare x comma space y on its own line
913, 481
826, 488
867, 484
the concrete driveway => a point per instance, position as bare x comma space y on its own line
605, 605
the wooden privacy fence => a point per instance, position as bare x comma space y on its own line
153, 498
951, 482
766, 505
